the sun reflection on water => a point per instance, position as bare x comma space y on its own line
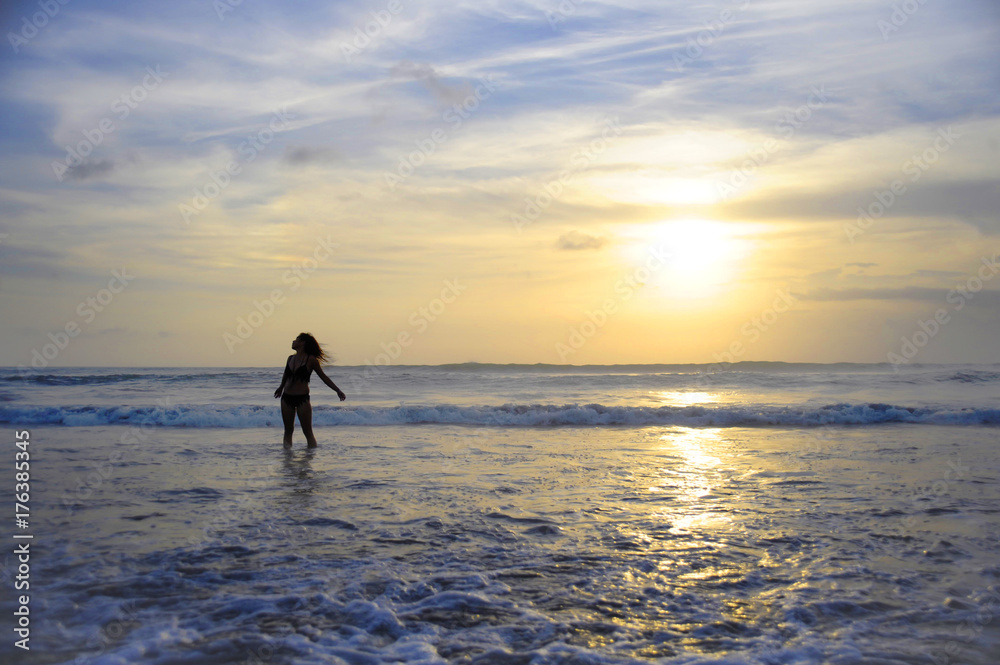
692, 478
684, 398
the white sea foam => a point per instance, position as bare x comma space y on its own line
507, 415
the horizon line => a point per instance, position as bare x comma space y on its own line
511, 364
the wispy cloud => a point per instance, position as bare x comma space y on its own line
301, 154
574, 240
90, 170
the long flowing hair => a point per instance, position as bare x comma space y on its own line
313, 348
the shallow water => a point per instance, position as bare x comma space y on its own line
450, 544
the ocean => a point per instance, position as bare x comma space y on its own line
758, 513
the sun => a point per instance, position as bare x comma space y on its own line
702, 255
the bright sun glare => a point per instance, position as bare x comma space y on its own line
703, 256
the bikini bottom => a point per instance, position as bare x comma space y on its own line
295, 401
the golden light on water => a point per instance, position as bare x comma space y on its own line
684, 398
693, 479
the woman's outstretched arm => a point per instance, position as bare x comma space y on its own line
322, 375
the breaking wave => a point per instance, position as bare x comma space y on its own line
507, 415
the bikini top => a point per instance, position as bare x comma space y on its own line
301, 373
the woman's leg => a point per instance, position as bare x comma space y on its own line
305, 411
288, 418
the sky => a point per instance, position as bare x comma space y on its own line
194, 183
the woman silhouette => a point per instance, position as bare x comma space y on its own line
294, 388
